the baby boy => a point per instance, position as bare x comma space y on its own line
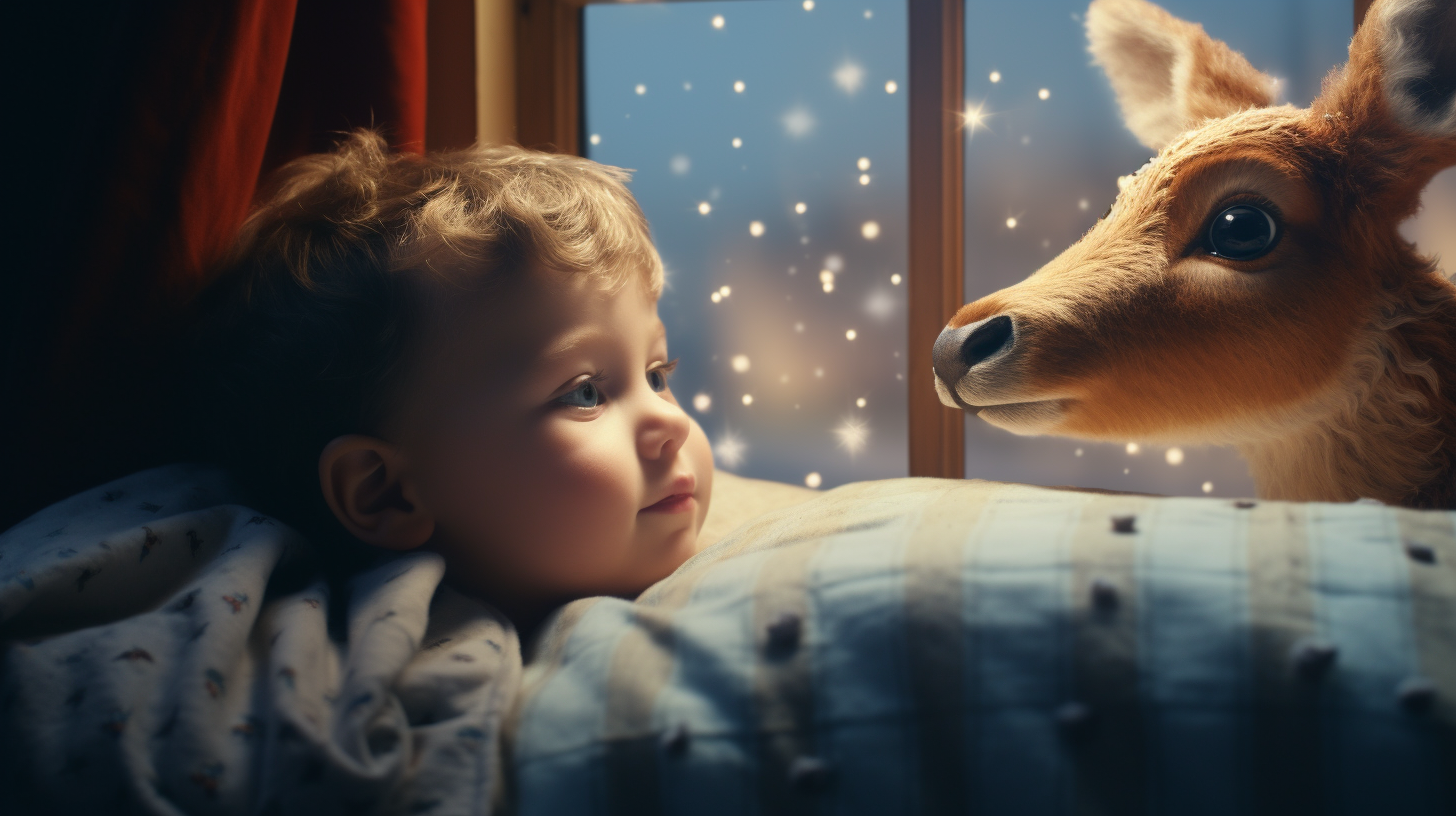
460, 352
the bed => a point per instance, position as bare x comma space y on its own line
902, 646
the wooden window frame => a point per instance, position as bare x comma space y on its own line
548, 116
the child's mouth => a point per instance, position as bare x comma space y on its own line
676, 503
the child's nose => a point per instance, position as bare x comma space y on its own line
663, 431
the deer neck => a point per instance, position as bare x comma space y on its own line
1386, 430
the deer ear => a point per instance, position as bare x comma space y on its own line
1402, 65
1168, 74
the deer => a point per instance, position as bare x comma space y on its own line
1248, 286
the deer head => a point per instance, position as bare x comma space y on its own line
1248, 285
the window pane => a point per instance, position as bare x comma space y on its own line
1048, 155
769, 144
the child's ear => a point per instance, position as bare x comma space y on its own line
366, 486
1168, 74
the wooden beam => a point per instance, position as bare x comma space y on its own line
495, 71
548, 75
937, 225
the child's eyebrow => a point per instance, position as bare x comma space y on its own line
587, 336
572, 342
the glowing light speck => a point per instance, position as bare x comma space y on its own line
975, 118
799, 327
1133, 449
729, 450
864, 178
725, 291
739, 86
737, 143
834, 263
716, 297
1174, 456
892, 86
718, 21
596, 138
860, 403
798, 122
704, 207
879, 305
1208, 487
1043, 94
1079, 452
870, 230
641, 89
740, 363
995, 76
849, 77
808, 5
813, 480
680, 165
755, 228
1011, 223
1083, 204
702, 403
869, 14
801, 208
895, 279
851, 334
747, 399
819, 372
852, 434
863, 164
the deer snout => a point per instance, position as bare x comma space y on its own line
958, 349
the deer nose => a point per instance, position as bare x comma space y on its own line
956, 350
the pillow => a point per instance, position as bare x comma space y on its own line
936, 646
737, 499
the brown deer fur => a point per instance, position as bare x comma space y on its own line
1331, 361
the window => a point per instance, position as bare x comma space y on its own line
1036, 160
768, 141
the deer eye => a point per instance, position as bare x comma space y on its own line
1242, 233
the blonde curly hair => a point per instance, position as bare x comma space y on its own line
303, 333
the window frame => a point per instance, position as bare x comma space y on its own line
548, 91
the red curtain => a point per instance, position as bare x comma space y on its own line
146, 127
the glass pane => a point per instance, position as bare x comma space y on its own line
1043, 165
769, 144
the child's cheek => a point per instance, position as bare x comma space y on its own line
700, 453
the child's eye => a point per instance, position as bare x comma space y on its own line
657, 377
586, 394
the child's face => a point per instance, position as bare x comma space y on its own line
542, 438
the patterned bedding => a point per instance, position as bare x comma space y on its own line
168, 651
906, 646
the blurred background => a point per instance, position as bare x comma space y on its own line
769, 140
